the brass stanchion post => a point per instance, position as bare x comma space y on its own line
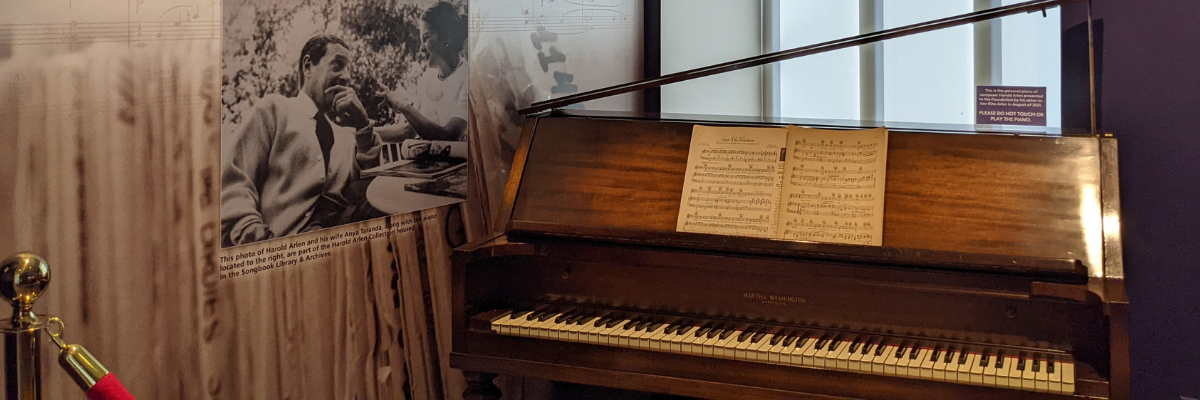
23, 277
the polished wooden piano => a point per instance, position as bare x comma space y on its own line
1000, 275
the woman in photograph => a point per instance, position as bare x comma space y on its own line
436, 107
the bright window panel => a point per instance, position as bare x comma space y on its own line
928, 77
824, 85
1031, 56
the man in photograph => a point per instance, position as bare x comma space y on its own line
290, 166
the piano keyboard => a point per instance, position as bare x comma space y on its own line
861, 353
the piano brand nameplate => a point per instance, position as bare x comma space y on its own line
787, 183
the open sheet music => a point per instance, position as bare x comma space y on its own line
786, 183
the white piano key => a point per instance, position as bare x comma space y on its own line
659, 339
682, 337
939, 365
1068, 376
927, 363
952, 366
891, 361
915, 362
775, 351
500, 325
724, 347
1054, 376
1041, 380
805, 347
495, 323
740, 347
989, 370
608, 336
638, 338
810, 352
709, 345
694, 344
1027, 375
903, 359
1002, 371
868, 358
975, 370
523, 328
840, 357
1014, 374
964, 366
854, 361
879, 362
622, 336
758, 350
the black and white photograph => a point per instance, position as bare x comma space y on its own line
340, 111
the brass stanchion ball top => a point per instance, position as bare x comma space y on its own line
23, 277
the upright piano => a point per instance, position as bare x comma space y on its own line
999, 275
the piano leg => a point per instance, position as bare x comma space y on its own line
480, 386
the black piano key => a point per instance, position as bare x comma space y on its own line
883, 343
613, 322
915, 351
903, 348
999, 359
869, 345
534, 315
758, 337
855, 345
984, 357
809, 336
1037, 364
962, 356
568, 319
792, 337
1049, 366
546, 315
1021, 362
601, 321
645, 324
933, 355
746, 334
823, 341
835, 342
654, 327
949, 355
716, 330
726, 333
778, 337
703, 330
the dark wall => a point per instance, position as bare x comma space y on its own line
1151, 100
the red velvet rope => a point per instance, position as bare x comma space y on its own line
109, 388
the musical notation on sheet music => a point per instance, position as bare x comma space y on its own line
834, 190
564, 17
137, 23
732, 182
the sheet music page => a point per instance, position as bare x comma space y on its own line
834, 186
732, 183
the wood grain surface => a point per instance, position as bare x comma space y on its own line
986, 194
109, 169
